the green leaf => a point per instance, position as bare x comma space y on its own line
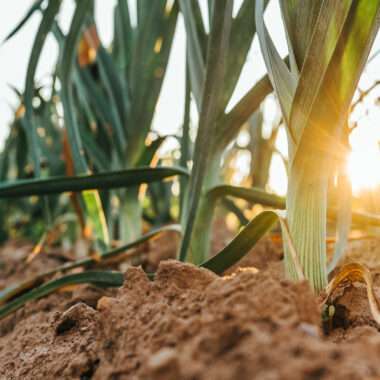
283, 81
300, 17
185, 141
322, 119
315, 111
248, 237
211, 108
230, 123
66, 69
100, 278
242, 32
119, 104
34, 7
327, 32
33, 141
249, 194
196, 61
17, 289
272, 200
231, 206
101, 181
200, 28
150, 151
148, 67
9, 144
96, 154
97, 98
21, 152
44, 28
94, 211
125, 34
143, 9
242, 243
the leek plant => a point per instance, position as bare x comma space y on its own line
16, 163
329, 42
215, 62
109, 98
117, 93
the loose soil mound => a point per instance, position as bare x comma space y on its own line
187, 324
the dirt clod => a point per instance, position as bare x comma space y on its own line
191, 324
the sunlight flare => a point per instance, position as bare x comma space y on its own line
364, 169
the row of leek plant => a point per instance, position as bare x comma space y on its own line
110, 88
328, 43
109, 99
117, 92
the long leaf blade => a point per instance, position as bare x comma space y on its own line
103, 278
43, 30
249, 194
195, 57
327, 31
34, 7
272, 200
14, 290
211, 106
101, 181
299, 17
242, 243
283, 81
94, 211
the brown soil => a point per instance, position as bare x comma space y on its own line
186, 324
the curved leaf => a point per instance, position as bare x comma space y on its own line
327, 32
94, 211
243, 30
34, 7
16, 289
249, 194
283, 81
196, 62
272, 200
299, 17
230, 123
66, 69
242, 243
248, 237
211, 108
101, 181
101, 278
119, 103
150, 151
149, 62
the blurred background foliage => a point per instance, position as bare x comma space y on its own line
114, 92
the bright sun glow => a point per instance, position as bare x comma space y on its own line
364, 169
364, 161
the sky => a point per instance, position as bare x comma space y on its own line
15, 53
